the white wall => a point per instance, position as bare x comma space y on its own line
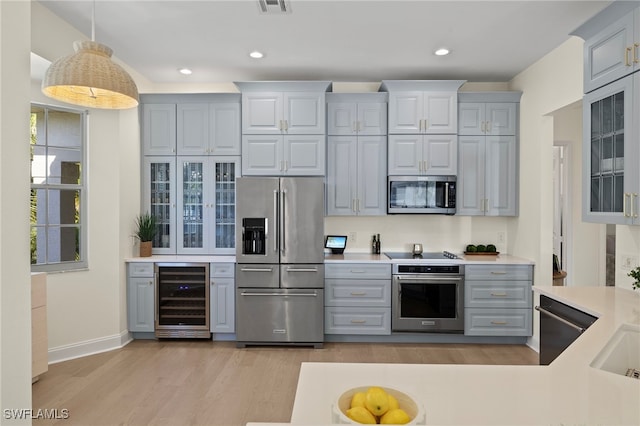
15, 300
87, 309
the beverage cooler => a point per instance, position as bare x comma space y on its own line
182, 300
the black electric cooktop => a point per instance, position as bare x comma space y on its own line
439, 255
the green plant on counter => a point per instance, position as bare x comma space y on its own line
146, 227
635, 274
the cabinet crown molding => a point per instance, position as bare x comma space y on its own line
283, 86
489, 96
421, 85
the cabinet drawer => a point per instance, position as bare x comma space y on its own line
368, 293
498, 272
503, 294
138, 269
497, 322
222, 269
357, 320
358, 270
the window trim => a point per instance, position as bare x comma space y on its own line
83, 263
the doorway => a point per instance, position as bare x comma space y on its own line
561, 203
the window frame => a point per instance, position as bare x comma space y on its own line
82, 263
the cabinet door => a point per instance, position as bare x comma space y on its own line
341, 175
194, 178
501, 183
372, 118
471, 173
159, 129
405, 112
471, 118
440, 113
609, 55
304, 113
159, 194
193, 129
609, 153
405, 155
341, 118
262, 155
223, 305
141, 304
440, 154
304, 155
222, 236
262, 113
500, 118
372, 176
224, 128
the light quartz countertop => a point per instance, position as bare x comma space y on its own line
503, 259
569, 391
182, 258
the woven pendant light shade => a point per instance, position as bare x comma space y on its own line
90, 78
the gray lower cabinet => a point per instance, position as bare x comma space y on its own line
498, 300
140, 297
357, 299
223, 299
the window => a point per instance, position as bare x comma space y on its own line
58, 194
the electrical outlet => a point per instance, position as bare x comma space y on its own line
353, 237
501, 237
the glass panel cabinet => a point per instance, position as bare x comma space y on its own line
194, 196
611, 153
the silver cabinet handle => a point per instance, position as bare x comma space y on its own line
302, 269
314, 294
358, 293
498, 273
636, 59
488, 126
633, 210
357, 271
627, 51
354, 321
624, 204
256, 269
498, 294
498, 322
562, 320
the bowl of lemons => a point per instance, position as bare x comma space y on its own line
377, 405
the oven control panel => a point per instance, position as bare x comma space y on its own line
428, 269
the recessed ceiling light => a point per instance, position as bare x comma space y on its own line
256, 55
185, 71
442, 51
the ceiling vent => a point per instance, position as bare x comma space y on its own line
274, 7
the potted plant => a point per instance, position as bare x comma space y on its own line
146, 230
635, 274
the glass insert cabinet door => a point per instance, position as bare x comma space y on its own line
608, 191
159, 194
225, 205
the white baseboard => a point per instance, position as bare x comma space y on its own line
89, 347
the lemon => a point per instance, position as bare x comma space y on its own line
358, 400
393, 402
361, 415
395, 417
376, 401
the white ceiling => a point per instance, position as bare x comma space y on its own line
347, 40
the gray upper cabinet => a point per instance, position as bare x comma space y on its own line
422, 106
283, 128
422, 155
159, 128
613, 52
488, 154
208, 129
356, 154
611, 153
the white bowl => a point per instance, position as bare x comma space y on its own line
405, 401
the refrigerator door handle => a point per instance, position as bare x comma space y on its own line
283, 225
275, 219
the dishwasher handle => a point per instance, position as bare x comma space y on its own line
562, 320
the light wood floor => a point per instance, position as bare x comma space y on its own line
192, 382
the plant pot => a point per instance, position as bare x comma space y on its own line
145, 248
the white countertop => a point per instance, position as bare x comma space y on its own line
182, 258
503, 259
568, 391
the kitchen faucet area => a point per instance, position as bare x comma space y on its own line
339, 227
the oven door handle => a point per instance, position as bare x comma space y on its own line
423, 279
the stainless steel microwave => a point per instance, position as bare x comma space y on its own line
422, 194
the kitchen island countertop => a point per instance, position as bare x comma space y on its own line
503, 259
568, 391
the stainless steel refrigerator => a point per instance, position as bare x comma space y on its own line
280, 261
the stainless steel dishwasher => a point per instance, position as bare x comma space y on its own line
560, 326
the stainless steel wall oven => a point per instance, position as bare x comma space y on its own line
428, 298
182, 300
